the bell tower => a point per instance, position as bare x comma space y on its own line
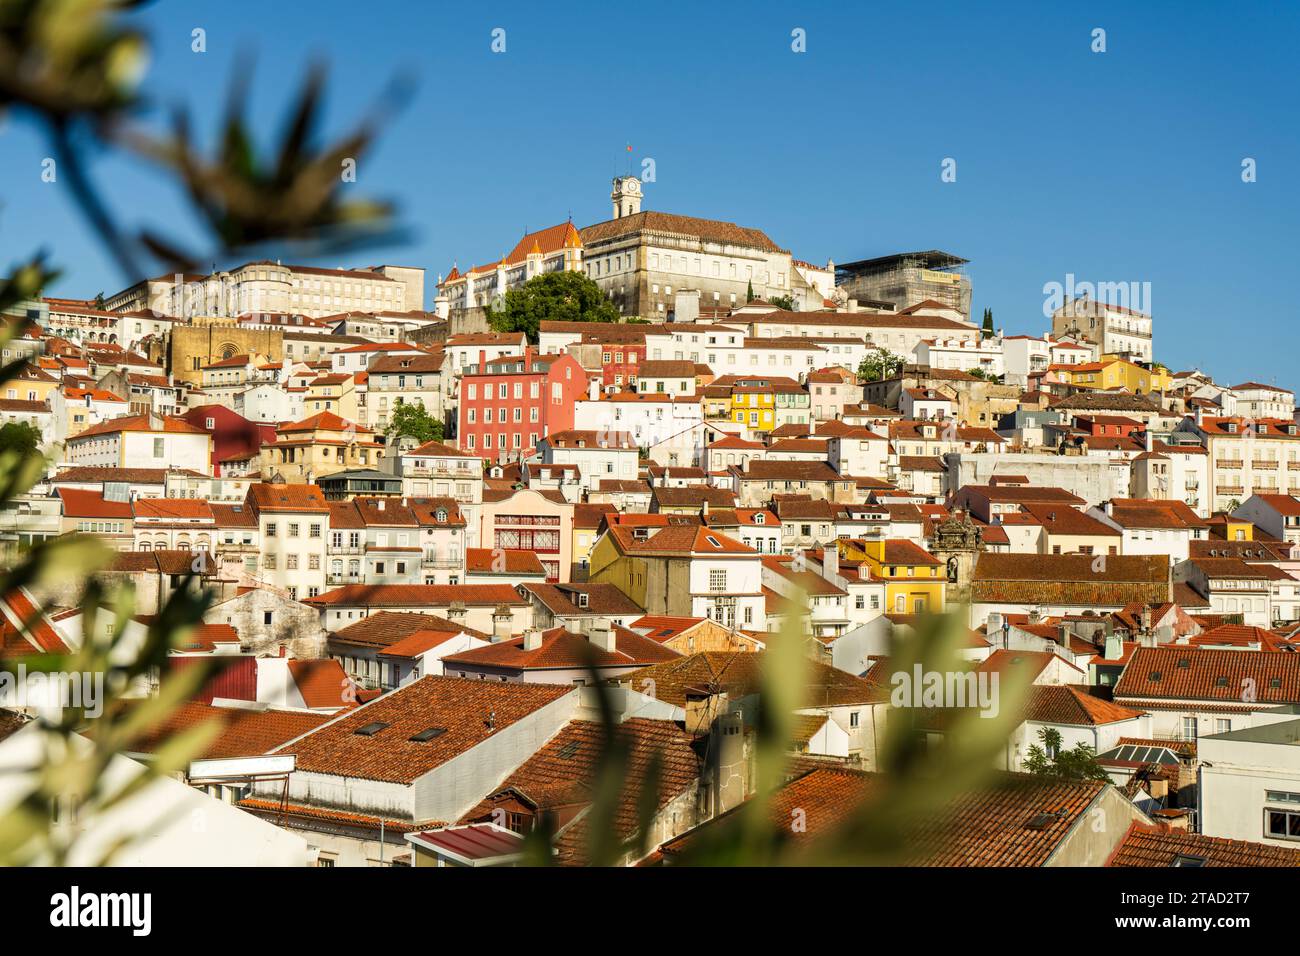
626, 196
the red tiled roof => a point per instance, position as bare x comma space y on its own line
565, 650
1155, 846
987, 826
137, 423
78, 503
244, 733
468, 711
322, 683
565, 771
172, 508
1067, 704
415, 595
503, 561
1259, 678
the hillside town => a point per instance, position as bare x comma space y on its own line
452, 558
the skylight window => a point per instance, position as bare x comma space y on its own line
369, 730
429, 733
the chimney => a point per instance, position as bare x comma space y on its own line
456, 612
532, 639
502, 619
482, 361
830, 561
601, 635
593, 389
728, 772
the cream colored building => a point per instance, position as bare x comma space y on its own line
272, 287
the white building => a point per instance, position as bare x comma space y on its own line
1249, 781
143, 441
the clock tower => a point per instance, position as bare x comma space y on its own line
626, 196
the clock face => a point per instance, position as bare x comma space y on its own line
631, 186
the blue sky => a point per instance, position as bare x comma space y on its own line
1123, 166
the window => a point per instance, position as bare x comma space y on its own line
717, 579
1281, 824
1189, 728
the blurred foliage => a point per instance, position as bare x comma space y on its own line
917, 773
295, 195
74, 67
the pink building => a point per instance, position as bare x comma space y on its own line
511, 402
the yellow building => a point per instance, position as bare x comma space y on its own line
587, 519
318, 446
31, 384
335, 393
753, 406
914, 578
1112, 373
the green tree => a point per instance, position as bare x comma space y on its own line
749, 291
99, 301
19, 437
880, 364
551, 297
987, 331
784, 302
1049, 760
412, 419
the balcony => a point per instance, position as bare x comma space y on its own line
440, 471
1229, 463
1260, 465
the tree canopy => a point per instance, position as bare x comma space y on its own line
1049, 760
551, 297
413, 420
880, 364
